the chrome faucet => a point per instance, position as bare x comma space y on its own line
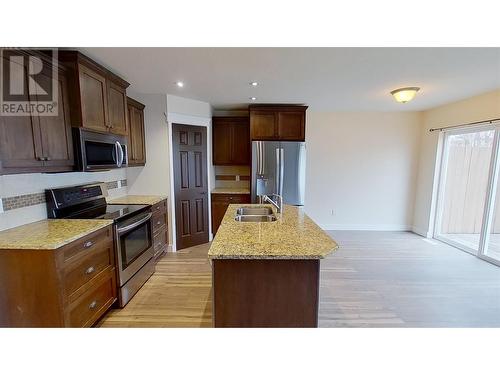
279, 205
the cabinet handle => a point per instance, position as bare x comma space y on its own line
158, 222
46, 158
39, 158
92, 305
87, 244
89, 270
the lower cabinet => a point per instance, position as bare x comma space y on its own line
220, 202
72, 286
160, 229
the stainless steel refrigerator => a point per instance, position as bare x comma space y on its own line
279, 167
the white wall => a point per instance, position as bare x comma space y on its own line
363, 166
20, 184
477, 108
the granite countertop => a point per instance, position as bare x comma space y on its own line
230, 190
49, 234
293, 236
138, 199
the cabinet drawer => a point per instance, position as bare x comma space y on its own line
160, 207
158, 221
82, 247
160, 241
231, 198
93, 303
78, 273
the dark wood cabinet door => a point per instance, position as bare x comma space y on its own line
231, 141
93, 99
57, 144
263, 125
137, 146
190, 184
240, 147
218, 212
20, 142
222, 130
291, 125
117, 109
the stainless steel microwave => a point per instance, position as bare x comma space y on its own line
96, 151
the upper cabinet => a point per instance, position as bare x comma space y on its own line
230, 141
36, 143
277, 122
137, 144
97, 96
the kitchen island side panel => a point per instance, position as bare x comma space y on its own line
265, 293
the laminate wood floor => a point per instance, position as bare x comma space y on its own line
375, 279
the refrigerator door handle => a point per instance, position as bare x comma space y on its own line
277, 172
282, 170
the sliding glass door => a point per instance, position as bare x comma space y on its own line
467, 215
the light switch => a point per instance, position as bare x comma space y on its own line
1, 206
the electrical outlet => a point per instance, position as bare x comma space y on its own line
119, 184
237, 177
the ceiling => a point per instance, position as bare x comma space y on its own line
326, 79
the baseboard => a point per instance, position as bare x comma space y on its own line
382, 228
421, 232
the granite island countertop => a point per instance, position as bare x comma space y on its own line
230, 190
49, 234
138, 199
292, 236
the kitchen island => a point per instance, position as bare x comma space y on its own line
266, 274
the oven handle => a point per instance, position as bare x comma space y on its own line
134, 225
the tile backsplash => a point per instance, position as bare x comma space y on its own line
232, 176
22, 198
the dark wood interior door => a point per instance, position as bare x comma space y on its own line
190, 184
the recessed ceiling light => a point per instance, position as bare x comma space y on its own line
405, 94
254, 83
253, 98
179, 84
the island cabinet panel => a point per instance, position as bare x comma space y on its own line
231, 141
277, 122
137, 139
98, 99
72, 286
265, 293
220, 203
37, 143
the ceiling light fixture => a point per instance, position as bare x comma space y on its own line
254, 83
253, 98
179, 84
405, 94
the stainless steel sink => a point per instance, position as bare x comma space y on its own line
255, 218
260, 211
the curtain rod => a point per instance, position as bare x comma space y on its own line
466, 125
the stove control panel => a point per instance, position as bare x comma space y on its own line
65, 197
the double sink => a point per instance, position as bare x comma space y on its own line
255, 214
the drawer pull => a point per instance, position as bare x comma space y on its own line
89, 270
87, 244
92, 305
158, 222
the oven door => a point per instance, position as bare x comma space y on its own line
134, 243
